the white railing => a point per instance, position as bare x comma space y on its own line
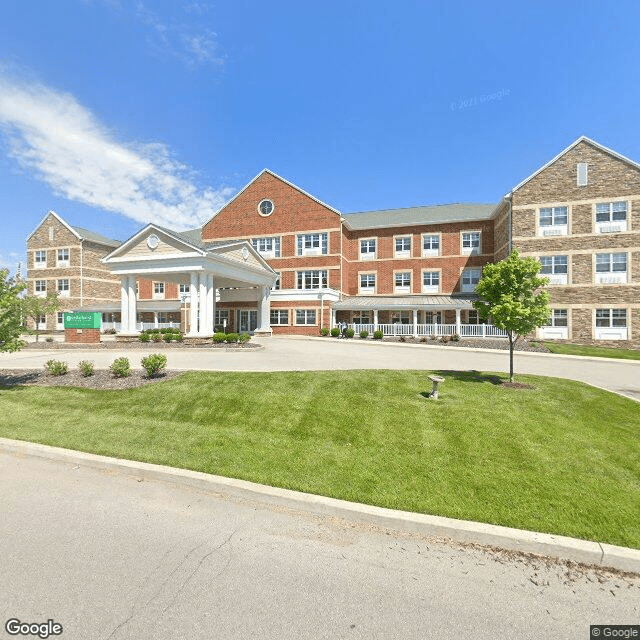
141, 326
466, 330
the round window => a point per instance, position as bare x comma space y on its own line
153, 241
265, 207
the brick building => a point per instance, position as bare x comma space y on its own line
275, 259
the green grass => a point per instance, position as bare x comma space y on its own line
561, 458
597, 352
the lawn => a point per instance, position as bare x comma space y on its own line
594, 351
561, 458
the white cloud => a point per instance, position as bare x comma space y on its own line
12, 260
62, 142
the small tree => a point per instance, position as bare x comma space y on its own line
34, 306
10, 316
509, 292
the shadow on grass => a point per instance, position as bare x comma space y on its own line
10, 381
470, 376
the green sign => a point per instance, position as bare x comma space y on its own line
82, 320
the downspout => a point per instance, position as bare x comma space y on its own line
510, 198
81, 274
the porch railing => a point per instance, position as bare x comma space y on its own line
466, 330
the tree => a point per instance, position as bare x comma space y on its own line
10, 317
35, 306
509, 293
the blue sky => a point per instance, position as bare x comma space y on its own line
115, 113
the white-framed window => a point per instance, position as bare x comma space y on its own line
473, 317
433, 317
431, 244
611, 324
63, 287
470, 278
221, 316
63, 258
553, 221
430, 281
611, 217
278, 284
313, 244
185, 289
40, 259
267, 247
158, 290
611, 268
559, 318
60, 320
279, 316
470, 242
556, 268
163, 317
40, 287
361, 317
42, 322
312, 279
305, 316
402, 281
558, 326
367, 283
403, 246
400, 317
367, 249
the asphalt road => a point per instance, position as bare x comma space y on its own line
302, 354
111, 558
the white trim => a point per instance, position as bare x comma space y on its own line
161, 230
60, 220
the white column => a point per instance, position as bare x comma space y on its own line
415, 323
193, 290
375, 319
202, 304
211, 305
124, 304
458, 330
132, 304
264, 311
155, 319
333, 319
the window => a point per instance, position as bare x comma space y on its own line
40, 259
556, 268
162, 317
431, 245
63, 257
473, 317
185, 289
433, 317
470, 278
221, 316
400, 317
559, 318
265, 207
41, 287
367, 248
581, 170
403, 247
267, 247
63, 287
611, 217
279, 316
367, 283
158, 290
471, 242
611, 268
305, 316
42, 322
312, 244
553, 221
430, 281
362, 317
60, 319
312, 279
403, 282
277, 285
611, 317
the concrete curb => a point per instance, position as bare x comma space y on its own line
583, 551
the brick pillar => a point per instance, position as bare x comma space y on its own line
82, 336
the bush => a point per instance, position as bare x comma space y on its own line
56, 367
145, 337
121, 368
166, 330
377, 335
219, 337
403, 339
154, 363
232, 338
335, 332
177, 337
364, 334
86, 368
244, 337
324, 331
455, 337
168, 337
350, 332
49, 339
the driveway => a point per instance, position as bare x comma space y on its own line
317, 354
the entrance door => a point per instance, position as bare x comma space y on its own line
247, 320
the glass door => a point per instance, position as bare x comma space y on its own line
247, 320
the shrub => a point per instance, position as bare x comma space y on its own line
232, 338
56, 367
121, 368
219, 337
156, 337
403, 339
244, 337
168, 337
86, 368
455, 337
154, 363
324, 331
177, 337
350, 332
145, 337
377, 335
424, 339
335, 332
49, 339
166, 330
364, 334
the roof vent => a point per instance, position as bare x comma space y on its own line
582, 174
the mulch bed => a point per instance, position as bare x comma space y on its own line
100, 379
478, 343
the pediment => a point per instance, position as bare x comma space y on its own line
153, 242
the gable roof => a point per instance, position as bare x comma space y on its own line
274, 175
79, 232
593, 143
432, 214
